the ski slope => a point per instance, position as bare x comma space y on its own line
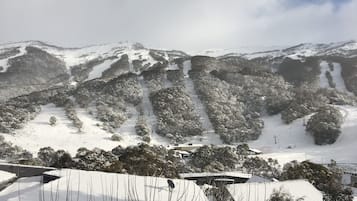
336, 75
290, 142
209, 136
99, 69
149, 115
37, 133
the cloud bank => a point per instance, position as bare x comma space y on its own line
182, 24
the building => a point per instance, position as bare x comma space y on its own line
217, 179
349, 178
262, 191
82, 185
186, 147
252, 151
24, 170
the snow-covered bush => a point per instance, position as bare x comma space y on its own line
51, 158
53, 120
146, 138
331, 83
175, 77
325, 125
154, 79
13, 153
141, 127
112, 116
14, 114
116, 137
71, 113
150, 160
306, 101
96, 159
212, 158
231, 118
282, 195
47, 156
266, 168
175, 112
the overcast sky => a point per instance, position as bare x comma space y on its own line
179, 24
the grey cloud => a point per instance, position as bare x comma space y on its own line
183, 24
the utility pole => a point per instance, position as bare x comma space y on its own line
275, 139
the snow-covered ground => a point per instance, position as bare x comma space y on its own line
127, 129
290, 142
86, 185
209, 136
38, 133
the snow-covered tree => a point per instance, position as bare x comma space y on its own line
53, 120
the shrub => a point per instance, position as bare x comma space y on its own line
141, 127
212, 158
116, 137
53, 121
266, 168
325, 125
47, 156
281, 195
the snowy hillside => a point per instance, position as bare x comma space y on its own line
124, 94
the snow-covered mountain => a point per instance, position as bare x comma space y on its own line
123, 94
346, 49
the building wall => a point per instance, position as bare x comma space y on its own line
354, 181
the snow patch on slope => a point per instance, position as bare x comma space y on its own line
99, 69
127, 129
323, 79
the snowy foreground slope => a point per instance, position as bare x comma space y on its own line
84, 185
